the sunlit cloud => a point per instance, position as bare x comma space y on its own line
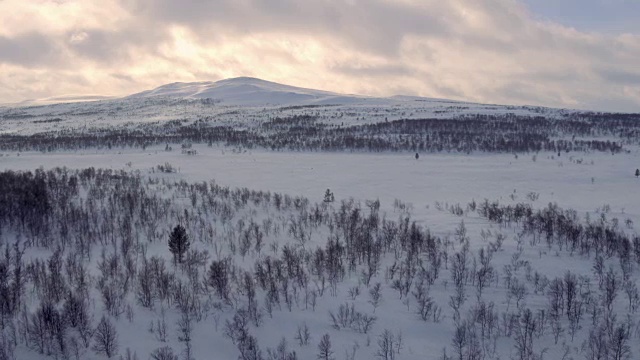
492, 51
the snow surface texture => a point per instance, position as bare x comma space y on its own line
435, 190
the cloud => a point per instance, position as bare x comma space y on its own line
493, 51
30, 49
620, 76
371, 24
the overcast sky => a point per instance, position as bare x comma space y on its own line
569, 53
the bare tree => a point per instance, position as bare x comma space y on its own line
185, 327
163, 353
426, 307
611, 286
375, 296
484, 274
281, 352
631, 290
619, 348
145, 291
571, 291
596, 345
219, 278
526, 327
555, 295
460, 340
303, 335
105, 338
249, 349
324, 348
387, 346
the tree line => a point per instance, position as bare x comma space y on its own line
503, 133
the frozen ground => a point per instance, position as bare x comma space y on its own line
584, 182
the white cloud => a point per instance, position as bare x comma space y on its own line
479, 50
78, 37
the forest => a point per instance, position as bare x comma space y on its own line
486, 133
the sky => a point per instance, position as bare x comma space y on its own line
560, 53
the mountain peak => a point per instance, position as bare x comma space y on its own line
242, 91
244, 80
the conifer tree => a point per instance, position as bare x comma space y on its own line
178, 243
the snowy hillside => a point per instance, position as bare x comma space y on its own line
63, 99
248, 91
239, 103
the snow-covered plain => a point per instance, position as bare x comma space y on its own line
599, 186
585, 182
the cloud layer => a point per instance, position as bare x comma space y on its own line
480, 50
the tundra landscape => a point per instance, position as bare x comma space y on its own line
256, 220
319, 180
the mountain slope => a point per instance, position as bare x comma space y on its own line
242, 91
248, 91
62, 99
238, 102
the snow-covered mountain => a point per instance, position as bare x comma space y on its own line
236, 102
242, 101
246, 92
250, 91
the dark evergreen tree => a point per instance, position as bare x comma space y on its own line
328, 196
637, 172
178, 243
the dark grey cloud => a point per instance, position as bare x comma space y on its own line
620, 76
98, 45
610, 16
115, 45
610, 101
524, 92
31, 49
374, 71
566, 76
123, 77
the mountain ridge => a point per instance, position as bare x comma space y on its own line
252, 92
248, 91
